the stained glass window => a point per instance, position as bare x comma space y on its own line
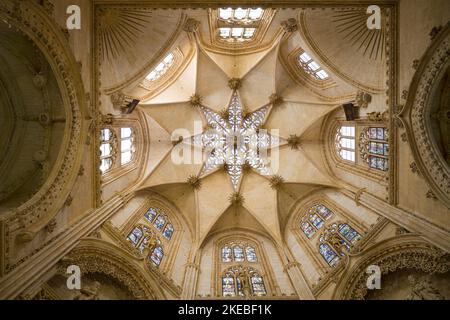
168, 230
328, 254
238, 254
374, 147
228, 288
349, 233
160, 222
312, 67
258, 287
323, 211
308, 229
226, 254
251, 254
345, 143
135, 235
157, 255
151, 214
316, 221
232, 282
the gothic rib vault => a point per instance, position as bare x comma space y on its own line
189, 160
261, 201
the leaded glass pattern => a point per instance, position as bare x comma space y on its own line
258, 287
337, 240
126, 145
374, 147
135, 235
315, 219
251, 254
235, 140
345, 143
238, 25
157, 255
228, 285
328, 254
238, 251
160, 222
226, 254
168, 231
107, 149
234, 277
311, 67
151, 214
308, 229
349, 233
162, 67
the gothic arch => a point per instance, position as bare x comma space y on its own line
404, 251
415, 116
97, 256
31, 20
264, 266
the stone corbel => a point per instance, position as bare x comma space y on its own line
191, 25
362, 99
290, 25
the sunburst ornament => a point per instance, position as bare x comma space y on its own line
236, 140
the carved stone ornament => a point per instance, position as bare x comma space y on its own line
32, 20
363, 99
98, 260
191, 25
289, 25
405, 255
430, 162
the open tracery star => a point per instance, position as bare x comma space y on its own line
235, 139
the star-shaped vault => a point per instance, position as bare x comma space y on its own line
235, 139
207, 207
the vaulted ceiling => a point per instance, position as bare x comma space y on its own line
265, 69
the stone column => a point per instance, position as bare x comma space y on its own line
409, 220
301, 287
190, 281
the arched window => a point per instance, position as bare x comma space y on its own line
226, 254
157, 255
336, 241
251, 254
311, 67
161, 68
345, 143
328, 254
107, 149
240, 24
238, 254
168, 231
126, 145
242, 281
160, 222
315, 219
374, 147
238, 251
